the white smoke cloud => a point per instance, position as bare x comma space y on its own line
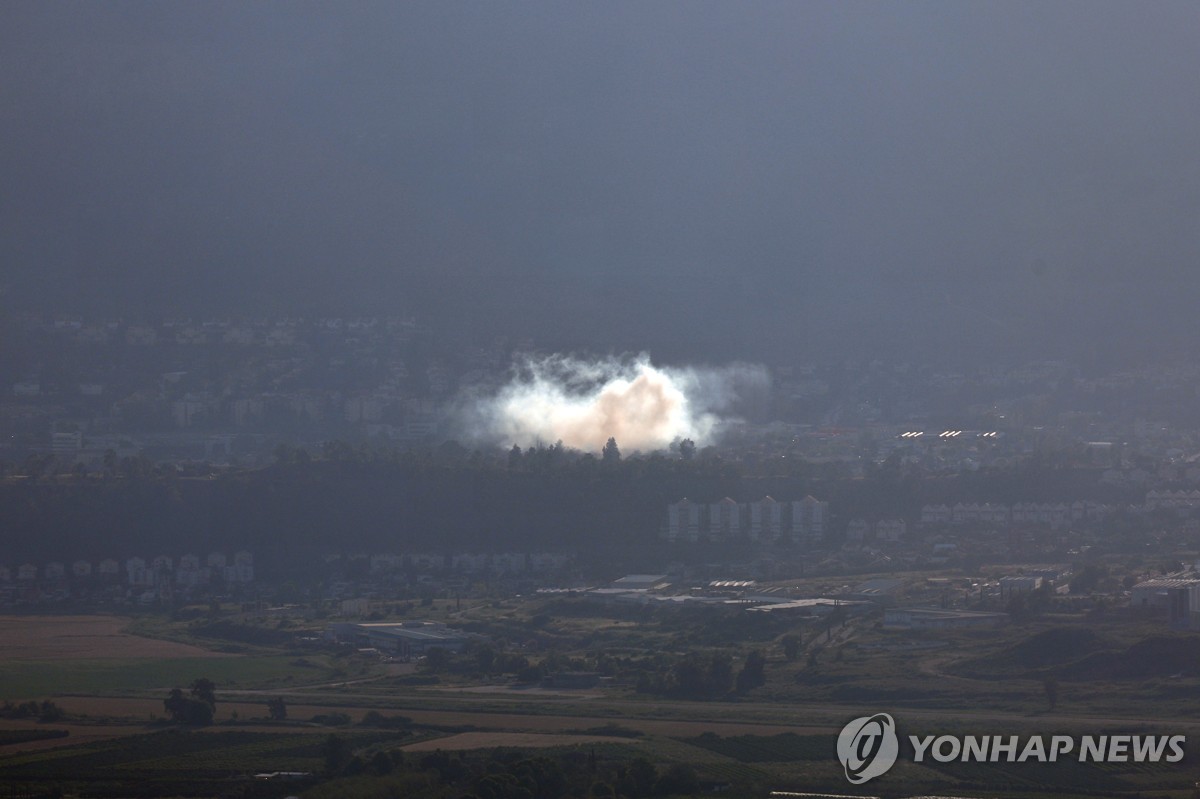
584, 403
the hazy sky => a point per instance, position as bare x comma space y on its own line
706, 180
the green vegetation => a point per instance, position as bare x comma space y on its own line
45, 711
664, 681
360, 493
277, 709
762, 749
197, 707
24, 736
370, 764
34, 679
172, 763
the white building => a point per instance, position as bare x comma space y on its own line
242, 570
386, 563
136, 572
509, 562
470, 563
809, 520
427, 562
766, 520
858, 531
936, 515
190, 572
547, 561
724, 520
683, 521
1155, 593
890, 529
1013, 585
66, 443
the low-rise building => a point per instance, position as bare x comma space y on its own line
639, 582
1156, 593
402, 639
1014, 585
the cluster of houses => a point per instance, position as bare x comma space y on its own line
1049, 514
1173, 500
884, 530
394, 400
766, 520
139, 572
499, 563
263, 331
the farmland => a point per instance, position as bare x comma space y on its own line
777, 735
44, 638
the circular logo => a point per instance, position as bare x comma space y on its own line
868, 747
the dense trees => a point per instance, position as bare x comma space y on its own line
753, 673
436, 660
184, 709
448, 496
197, 707
791, 645
277, 709
335, 752
204, 689
1050, 688
530, 496
1088, 578
42, 711
693, 676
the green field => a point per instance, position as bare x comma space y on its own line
174, 762
111, 677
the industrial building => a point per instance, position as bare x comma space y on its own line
400, 639
1180, 596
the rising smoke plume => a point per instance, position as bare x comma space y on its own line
584, 403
